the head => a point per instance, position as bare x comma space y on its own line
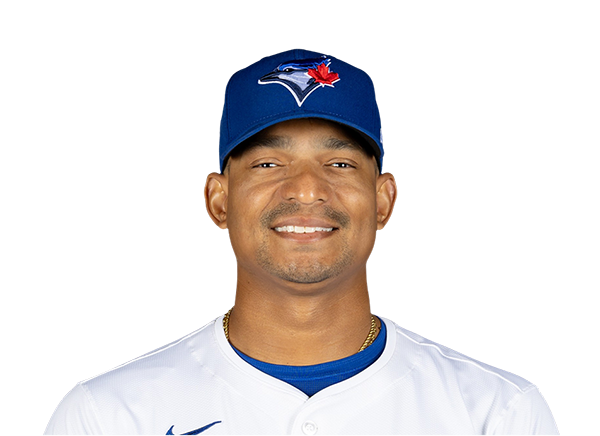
302, 197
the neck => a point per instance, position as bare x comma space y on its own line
299, 324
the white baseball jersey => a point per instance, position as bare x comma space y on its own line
199, 384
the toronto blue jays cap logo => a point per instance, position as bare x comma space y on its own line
302, 77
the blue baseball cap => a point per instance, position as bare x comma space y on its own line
298, 84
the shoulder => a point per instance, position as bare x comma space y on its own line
94, 405
453, 363
173, 358
491, 399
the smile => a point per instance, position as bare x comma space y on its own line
302, 229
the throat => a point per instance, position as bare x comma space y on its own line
300, 342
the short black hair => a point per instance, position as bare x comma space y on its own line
355, 136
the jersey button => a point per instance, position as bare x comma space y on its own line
309, 427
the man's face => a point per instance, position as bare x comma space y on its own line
301, 203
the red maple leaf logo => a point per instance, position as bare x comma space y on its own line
323, 75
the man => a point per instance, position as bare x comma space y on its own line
302, 193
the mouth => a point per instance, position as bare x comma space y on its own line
304, 233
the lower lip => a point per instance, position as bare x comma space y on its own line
305, 237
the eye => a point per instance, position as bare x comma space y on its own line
342, 165
265, 165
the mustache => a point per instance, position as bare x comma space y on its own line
285, 209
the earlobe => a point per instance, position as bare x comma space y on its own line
215, 195
386, 198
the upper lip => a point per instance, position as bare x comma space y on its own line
303, 222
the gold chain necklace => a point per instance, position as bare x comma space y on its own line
370, 337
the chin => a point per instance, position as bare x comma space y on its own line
308, 272
305, 277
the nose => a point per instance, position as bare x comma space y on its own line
306, 185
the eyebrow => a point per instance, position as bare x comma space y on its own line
271, 142
341, 144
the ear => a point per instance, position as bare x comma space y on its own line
386, 198
215, 195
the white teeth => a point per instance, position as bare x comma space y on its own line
301, 229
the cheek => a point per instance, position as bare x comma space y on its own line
244, 209
361, 204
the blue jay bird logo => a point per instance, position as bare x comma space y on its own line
302, 77
193, 432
